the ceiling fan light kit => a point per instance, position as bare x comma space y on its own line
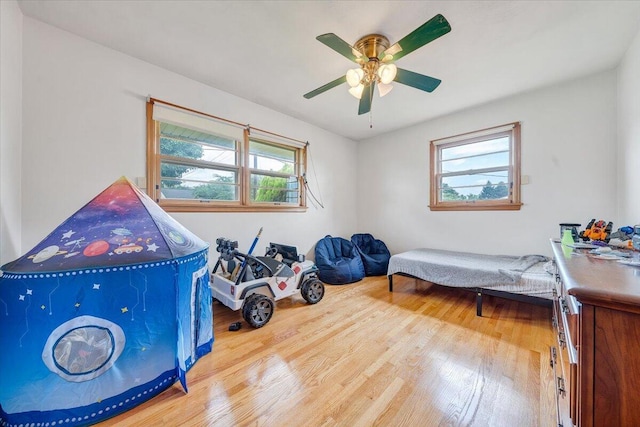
375, 57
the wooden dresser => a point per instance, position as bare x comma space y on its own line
597, 360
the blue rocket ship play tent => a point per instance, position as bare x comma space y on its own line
109, 310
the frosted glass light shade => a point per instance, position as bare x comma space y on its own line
384, 89
357, 91
354, 76
387, 72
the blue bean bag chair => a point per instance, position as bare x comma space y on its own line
374, 253
338, 261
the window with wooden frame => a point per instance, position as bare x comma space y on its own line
198, 162
477, 170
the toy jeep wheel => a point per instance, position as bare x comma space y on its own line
257, 310
312, 290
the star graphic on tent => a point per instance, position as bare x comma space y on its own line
43, 306
68, 234
96, 286
124, 310
21, 297
29, 291
152, 247
77, 304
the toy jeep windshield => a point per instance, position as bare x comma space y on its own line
254, 283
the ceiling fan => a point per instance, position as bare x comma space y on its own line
376, 59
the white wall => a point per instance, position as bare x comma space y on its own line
10, 129
568, 151
84, 127
629, 134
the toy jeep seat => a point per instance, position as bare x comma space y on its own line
289, 253
374, 253
338, 261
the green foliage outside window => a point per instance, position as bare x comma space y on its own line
223, 189
488, 192
493, 192
175, 148
273, 188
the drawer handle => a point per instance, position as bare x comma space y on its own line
561, 339
561, 390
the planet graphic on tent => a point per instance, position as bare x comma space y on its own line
109, 310
96, 248
46, 253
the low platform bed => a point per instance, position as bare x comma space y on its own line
527, 278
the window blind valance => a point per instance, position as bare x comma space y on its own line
194, 121
191, 119
259, 134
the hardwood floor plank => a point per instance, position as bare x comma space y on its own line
379, 404
364, 356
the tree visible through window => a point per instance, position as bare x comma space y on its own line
273, 177
477, 171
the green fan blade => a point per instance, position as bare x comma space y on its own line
342, 47
425, 33
419, 81
366, 99
326, 87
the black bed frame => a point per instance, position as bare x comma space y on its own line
481, 291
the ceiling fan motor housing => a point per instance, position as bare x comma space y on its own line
372, 45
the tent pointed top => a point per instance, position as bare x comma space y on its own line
119, 226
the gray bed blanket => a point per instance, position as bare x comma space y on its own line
462, 269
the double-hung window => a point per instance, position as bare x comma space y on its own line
477, 170
196, 162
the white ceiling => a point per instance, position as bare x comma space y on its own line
266, 52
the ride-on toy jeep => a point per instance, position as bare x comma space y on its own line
253, 284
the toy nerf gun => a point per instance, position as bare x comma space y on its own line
622, 238
597, 230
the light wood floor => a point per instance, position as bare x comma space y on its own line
363, 356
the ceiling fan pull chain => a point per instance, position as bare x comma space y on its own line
370, 119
